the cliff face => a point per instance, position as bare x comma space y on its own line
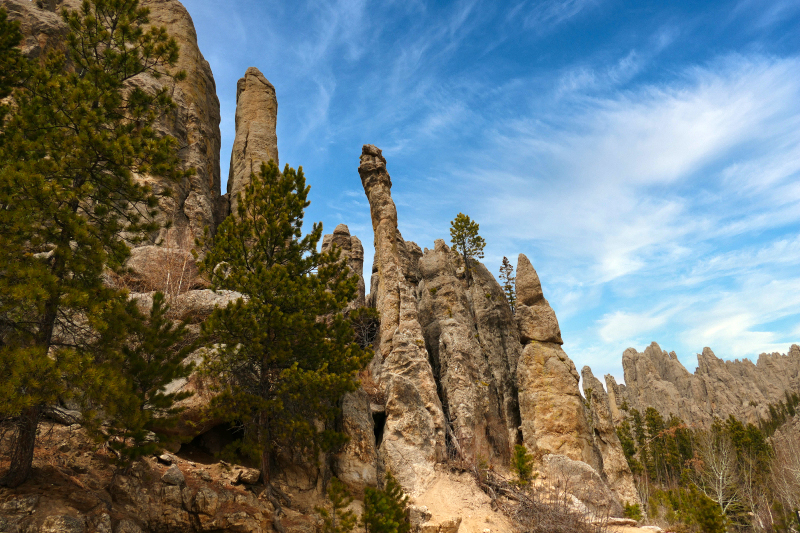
655, 378
195, 203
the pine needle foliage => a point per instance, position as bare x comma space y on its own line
507, 279
286, 354
78, 133
466, 241
522, 464
385, 511
153, 356
338, 520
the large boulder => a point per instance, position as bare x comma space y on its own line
581, 481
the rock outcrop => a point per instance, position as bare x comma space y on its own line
655, 378
494, 379
473, 343
535, 318
414, 430
353, 252
256, 141
551, 406
615, 467
194, 123
82, 492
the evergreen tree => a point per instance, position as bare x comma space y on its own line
337, 520
507, 279
521, 464
281, 369
466, 241
152, 357
12, 66
385, 510
70, 149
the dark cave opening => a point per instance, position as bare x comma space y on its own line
379, 423
206, 447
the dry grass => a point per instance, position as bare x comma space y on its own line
372, 387
540, 507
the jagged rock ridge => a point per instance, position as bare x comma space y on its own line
718, 388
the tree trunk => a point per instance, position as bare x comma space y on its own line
22, 448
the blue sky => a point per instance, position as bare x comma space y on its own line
644, 155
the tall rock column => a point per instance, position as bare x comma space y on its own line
414, 432
615, 466
256, 139
550, 402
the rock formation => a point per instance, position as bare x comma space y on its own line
550, 402
353, 252
614, 464
414, 431
256, 141
494, 379
472, 340
195, 203
535, 317
655, 378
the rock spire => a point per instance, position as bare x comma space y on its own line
256, 139
414, 432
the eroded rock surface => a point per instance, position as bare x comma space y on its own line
353, 252
256, 141
551, 406
615, 467
194, 123
474, 347
414, 433
718, 388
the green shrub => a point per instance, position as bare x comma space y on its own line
521, 464
633, 511
338, 520
385, 510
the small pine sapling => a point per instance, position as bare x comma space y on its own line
385, 510
507, 278
522, 464
337, 520
466, 241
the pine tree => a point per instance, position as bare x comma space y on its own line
281, 368
466, 241
521, 464
337, 520
385, 510
507, 278
153, 356
69, 206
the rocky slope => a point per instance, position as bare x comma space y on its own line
718, 388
